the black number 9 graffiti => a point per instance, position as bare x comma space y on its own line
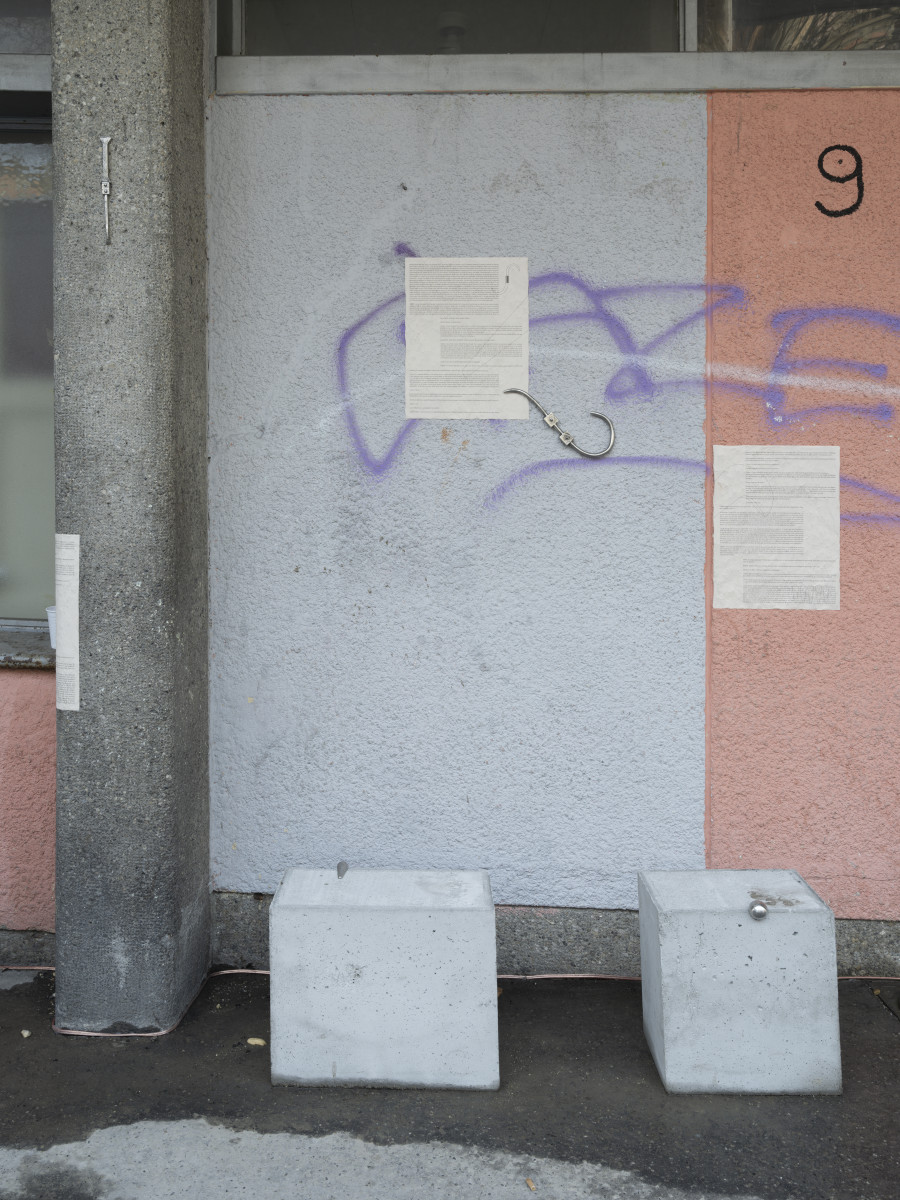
855, 172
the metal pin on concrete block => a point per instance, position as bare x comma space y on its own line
342, 869
104, 183
758, 910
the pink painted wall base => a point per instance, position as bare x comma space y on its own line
27, 798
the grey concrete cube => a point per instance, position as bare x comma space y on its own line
735, 1004
384, 978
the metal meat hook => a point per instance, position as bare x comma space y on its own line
566, 438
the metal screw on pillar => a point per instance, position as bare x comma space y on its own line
104, 182
758, 910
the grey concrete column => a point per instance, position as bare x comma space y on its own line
130, 333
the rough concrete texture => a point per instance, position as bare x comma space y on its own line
132, 861
27, 797
804, 718
538, 941
868, 947
24, 948
240, 929
166, 1160
733, 1004
530, 941
421, 658
578, 1086
384, 979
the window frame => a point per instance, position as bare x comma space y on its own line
24, 73
558, 73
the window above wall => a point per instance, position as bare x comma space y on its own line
26, 359
779, 25
382, 46
24, 26
310, 28
26, 326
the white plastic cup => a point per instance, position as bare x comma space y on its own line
51, 621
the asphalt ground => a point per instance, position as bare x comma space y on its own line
580, 1111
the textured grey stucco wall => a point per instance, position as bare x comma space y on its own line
132, 841
456, 644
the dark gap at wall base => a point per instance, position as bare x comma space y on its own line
27, 948
530, 941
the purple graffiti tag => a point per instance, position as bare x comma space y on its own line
502, 490
869, 488
792, 322
872, 518
633, 381
375, 466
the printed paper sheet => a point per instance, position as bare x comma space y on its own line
466, 337
68, 683
776, 527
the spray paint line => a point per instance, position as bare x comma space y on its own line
634, 380
502, 490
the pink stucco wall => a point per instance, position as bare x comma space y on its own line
27, 798
804, 707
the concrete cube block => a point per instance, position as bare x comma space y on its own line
384, 978
732, 1003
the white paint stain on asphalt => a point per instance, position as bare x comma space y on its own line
164, 1160
12, 977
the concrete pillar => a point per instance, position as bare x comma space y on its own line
130, 332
